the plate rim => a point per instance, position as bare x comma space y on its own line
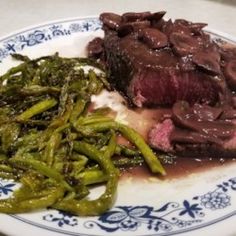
45, 23
218, 33
22, 30
177, 232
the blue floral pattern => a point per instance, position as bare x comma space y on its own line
43, 34
129, 218
6, 188
61, 218
215, 200
170, 217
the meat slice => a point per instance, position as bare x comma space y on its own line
159, 136
197, 131
95, 47
151, 78
150, 60
230, 73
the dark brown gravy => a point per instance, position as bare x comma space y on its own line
141, 120
181, 168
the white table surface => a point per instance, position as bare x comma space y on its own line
17, 14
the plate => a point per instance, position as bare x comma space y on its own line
198, 203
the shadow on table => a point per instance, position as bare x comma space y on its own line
226, 2
2, 234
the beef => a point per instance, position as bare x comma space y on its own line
230, 73
95, 48
152, 78
159, 136
154, 62
196, 131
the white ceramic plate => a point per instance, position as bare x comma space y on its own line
200, 203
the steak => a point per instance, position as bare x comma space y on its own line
196, 131
154, 62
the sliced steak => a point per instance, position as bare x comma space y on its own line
155, 77
197, 131
154, 62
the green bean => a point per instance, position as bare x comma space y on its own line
124, 161
4, 115
9, 134
12, 71
7, 175
98, 139
20, 57
129, 133
78, 157
70, 196
6, 168
62, 120
78, 109
92, 177
93, 153
26, 192
123, 150
73, 136
3, 157
51, 147
110, 150
36, 77
95, 86
39, 90
10, 90
32, 138
88, 61
86, 131
106, 200
102, 111
12, 206
82, 192
71, 168
105, 82
42, 168
62, 128
150, 158
35, 122
78, 166
37, 109
32, 180
92, 119
95, 207
64, 96
79, 86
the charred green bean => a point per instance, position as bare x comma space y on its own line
55, 143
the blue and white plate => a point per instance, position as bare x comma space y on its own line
198, 204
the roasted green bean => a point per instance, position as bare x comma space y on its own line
37, 109
51, 148
151, 159
106, 200
50, 196
55, 143
42, 168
